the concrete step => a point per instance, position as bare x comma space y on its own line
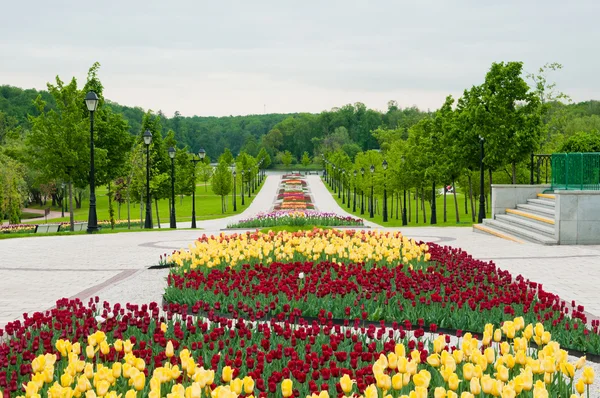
519, 232
535, 209
527, 223
546, 196
534, 217
485, 229
542, 202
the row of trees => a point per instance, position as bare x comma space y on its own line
444, 148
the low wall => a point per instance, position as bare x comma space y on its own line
578, 217
508, 196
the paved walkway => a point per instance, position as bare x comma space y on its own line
35, 272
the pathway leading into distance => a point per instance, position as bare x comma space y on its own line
35, 272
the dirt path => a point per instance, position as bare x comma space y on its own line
52, 215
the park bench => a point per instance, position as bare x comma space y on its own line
45, 228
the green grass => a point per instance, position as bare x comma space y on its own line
465, 220
208, 207
68, 233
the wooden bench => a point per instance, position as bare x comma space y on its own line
45, 228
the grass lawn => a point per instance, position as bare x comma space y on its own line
208, 206
465, 220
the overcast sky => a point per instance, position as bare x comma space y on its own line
236, 57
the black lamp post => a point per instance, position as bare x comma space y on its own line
91, 101
481, 187
433, 196
201, 154
354, 196
372, 213
234, 184
63, 203
172, 156
348, 190
362, 192
242, 191
385, 212
148, 140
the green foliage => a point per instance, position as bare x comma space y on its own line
305, 159
222, 182
582, 142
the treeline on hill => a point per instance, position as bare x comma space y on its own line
44, 136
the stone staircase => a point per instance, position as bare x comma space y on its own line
532, 221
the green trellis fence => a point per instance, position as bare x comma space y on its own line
576, 171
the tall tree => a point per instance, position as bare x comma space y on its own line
222, 182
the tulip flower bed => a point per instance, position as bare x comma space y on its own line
296, 218
112, 351
17, 229
361, 276
293, 196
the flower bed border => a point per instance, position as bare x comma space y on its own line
341, 322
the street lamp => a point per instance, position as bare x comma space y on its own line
385, 212
372, 214
242, 191
91, 101
362, 191
334, 180
354, 200
201, 154
172, 156
234, 184
481, 193
148, 140
348, 190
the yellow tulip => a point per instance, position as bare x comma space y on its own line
102, 387
487, 384
248, 385
104, 348
127, 346
286, 388
396, 383
90, 352
118, 344
540, 392
421, 392
490, 355
466, 394
580, 386
392, 359
504, 348
508, 392
588, 375
169, 350
580, 362
139, 381
163, 327
438, 344
371, 392
66, 380
402, 362
497, 335
439, 392
568, 369
415, 356
383, 381
458, 356
131, 394
546, 336
528, 332
453, 381
434, 360
236, 385
227, 374
475, 386
451, 394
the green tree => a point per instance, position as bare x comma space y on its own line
305, 159
582, 142
57, 140
286, 158
222, 182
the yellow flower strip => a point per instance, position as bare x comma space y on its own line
316, 245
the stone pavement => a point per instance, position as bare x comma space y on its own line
35, 272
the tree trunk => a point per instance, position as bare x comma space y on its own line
157, 216
409, 209
205, 187
111, 210
53, 200
514, 173
392, 207
397, 203
445, 214
417, 205
466, 204
471, 197
78, 200
423, 206
456, 203
71, 212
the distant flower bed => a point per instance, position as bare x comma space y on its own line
17, 228
292, 194
297, 218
